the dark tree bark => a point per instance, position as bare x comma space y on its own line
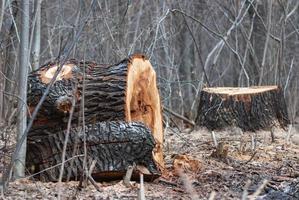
248, 108
113, 145
103, 92
125, 91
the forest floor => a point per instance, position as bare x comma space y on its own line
246, 164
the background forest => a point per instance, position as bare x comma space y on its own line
190, 43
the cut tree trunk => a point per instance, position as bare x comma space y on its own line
125, 91
113, 145
250, 108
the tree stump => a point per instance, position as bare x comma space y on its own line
125, 91
113, 145
252, 108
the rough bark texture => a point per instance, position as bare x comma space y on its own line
248, 108
104, 94
125, 91
113, 145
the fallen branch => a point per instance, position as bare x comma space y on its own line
179, 116
248, 161
89, 177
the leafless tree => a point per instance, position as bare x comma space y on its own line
19, 170
36, 36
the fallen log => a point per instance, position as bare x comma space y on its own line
114, 146
251, 108
125, 91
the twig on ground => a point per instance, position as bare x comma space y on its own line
272, 135
214, 139
168, 182
94, 183
248, 161
258, 191
128, 176
253, 145
212, 195
245, 192
141, 194
288, 136
91, 180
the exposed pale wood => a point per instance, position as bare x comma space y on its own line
239, 90
65, 73
253, 108
143, 100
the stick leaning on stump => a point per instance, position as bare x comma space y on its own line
126, 91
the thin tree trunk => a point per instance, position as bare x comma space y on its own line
269, 15
258, 39
9, 61
36, 36
2, 13
19, 170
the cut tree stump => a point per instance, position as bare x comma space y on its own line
113, 145
125, 91
252, 108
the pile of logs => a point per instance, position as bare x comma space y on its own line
109, 117
115, 116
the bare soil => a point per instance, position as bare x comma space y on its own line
243, 163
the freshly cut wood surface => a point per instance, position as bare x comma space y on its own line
240, 90
65, 73
143, 100
113, 145
250, 108
124, 91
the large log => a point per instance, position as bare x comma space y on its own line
249, 108
113, 145
124, 91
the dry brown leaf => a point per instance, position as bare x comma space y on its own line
186, 164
